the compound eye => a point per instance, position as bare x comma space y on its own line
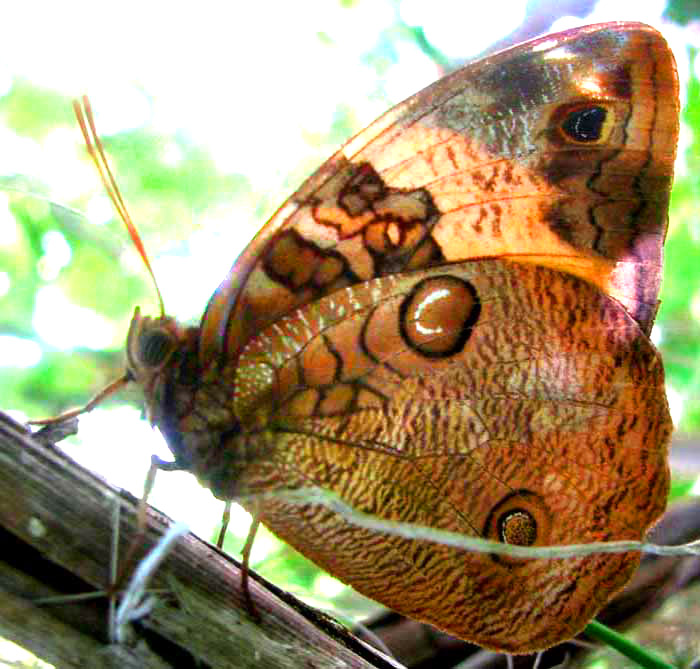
154, 347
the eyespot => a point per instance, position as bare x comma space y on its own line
154, 347
585, 125
437, 317
517, 527
521, 518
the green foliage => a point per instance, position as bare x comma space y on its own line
682, 11
34, 112
678, 316
680, 487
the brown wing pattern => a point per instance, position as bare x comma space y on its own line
492, 160
489, 398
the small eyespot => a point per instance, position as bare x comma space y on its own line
154, 347
521, 518
517, 527
585, 125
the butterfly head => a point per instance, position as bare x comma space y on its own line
156, 349
150, 345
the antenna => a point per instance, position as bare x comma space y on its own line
96, 150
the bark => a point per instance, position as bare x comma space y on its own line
57, 523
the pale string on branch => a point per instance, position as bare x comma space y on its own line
333, 502
135, 602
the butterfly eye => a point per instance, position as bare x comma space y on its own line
585, 125
154, 347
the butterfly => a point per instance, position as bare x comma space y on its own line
448, 325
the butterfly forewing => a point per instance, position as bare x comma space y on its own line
492, 160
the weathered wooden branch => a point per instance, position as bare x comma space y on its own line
57, 529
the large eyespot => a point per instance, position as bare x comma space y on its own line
438, 315
585, 124
154, 347
522, 519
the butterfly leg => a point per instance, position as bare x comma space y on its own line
112, 388
142, 517
225, 520
245, 567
